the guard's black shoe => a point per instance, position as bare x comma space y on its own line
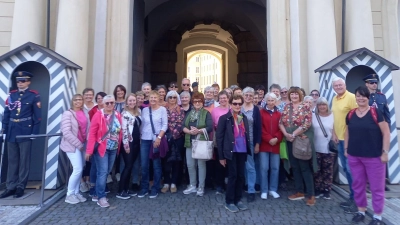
19, 193
358, 218
7, 193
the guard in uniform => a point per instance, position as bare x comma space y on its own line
22, 116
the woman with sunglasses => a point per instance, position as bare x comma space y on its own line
198, 121
284, 95
109, 142
233, 147
74, 126
172, 162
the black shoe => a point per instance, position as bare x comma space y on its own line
347, 203
351, 210
107, 190
318, 194
135, 187
257, 188
327, 194
245, 188
19, 193
358, 218
123, 195
251, 197
7, 193
376, 222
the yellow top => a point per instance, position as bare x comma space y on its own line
340, 107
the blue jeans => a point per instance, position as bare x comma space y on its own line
144, 161
251, 171
269, 161
93, 176
104, 166
345, 166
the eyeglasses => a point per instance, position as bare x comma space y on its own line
314, 94
109, 103
173, 86
172, 97
374, 82
197, 101
186, 84
237, 104
22, 81
248, 96
283, 92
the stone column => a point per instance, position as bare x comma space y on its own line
277, 43
29, 22
359, 28
321, 37
72, 35
119, 45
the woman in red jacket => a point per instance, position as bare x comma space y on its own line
105, 129
269, 156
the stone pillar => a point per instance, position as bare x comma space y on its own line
119, 45
277, 42
321, 37
29, 22
72, 35
359, 28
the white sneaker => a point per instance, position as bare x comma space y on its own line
72, 199
83, 187
264, 196
109, 179
274, 194
200, 192
190, 189
80, 197
118, 176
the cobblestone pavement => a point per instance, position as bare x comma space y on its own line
178, 208
10, 215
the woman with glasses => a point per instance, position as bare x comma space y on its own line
196, 123
154, 116
209, 98
253, 116
105, 130
88, 94
233, 147
131, 122
172, 162
185, 102
74, 126
173, 86
284, 95
162, 91
260, 89
315, 95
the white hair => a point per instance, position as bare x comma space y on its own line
174, 93
186, 79
248, 90
108, 97
308, 98
208, 88
271, 95
145, 84
337, 79
185, 94
322, 101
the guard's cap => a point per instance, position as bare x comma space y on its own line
371, 78
195, 84
22, 75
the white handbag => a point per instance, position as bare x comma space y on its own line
202, 149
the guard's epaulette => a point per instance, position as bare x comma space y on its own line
380, 93
13, 91
34, 91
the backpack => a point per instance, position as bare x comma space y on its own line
373, 113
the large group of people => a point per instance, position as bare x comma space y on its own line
258, 138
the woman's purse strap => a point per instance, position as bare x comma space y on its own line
321, 125
151, 121
109, 126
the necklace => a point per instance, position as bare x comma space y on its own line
363, 111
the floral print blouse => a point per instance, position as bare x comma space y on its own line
175, 121
301, 117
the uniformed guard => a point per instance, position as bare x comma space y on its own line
377, 99
22, 116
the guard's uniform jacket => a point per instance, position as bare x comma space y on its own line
22, 114
379, 101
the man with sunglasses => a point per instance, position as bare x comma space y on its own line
186, 86
22, 116
377, 99
173, 86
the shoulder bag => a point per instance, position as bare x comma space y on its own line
301, 147
332, 146
202, 149
97, 144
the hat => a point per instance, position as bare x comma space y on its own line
195, 84
371, 78
22, 75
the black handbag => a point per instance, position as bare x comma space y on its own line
332, 146
97, 144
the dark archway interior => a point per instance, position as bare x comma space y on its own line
167, 21
355, 77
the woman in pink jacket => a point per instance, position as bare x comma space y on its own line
74, 126
105, 129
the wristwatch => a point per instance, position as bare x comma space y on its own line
385, 151
159, 137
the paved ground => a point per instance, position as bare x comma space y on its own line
189, 209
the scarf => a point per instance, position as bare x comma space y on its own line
239, 124
194, 115
208, 102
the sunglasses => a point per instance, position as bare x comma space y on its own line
22, 81
314, 94
237, 104
186, 84
173, 86
109, 103
197, 101
373, 82
172, 97
283, 92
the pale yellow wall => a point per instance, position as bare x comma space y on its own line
376, 8
6, 17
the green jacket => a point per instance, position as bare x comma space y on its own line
200, 124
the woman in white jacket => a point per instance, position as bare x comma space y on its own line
131, 122
74, 126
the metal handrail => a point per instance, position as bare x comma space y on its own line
46, 148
